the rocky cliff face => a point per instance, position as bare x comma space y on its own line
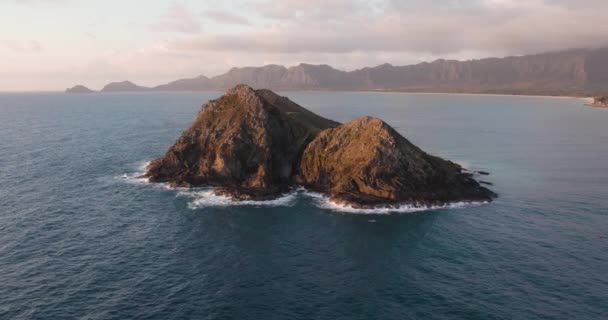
365, 162
246, 143
254, 144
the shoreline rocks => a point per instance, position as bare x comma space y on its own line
599, 102
255, 145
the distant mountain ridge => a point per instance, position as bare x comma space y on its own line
579, 72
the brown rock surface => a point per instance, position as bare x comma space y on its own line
365, 162
247, 143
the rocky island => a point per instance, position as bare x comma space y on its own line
600, 102
255, 144
79, 89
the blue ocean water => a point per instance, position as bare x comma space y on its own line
80, 238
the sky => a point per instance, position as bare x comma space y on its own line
54, 44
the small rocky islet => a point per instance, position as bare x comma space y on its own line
256, 145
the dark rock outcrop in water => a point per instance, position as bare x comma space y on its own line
254, 144
246, 143
365, 162
79, 89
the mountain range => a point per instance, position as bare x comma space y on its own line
577, 72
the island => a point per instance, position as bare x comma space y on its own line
79, 89
256, 145
123, 86
600, 102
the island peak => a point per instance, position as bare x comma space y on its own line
246, 143
366, 163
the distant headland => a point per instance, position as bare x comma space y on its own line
124, 86
577, 72
255, 145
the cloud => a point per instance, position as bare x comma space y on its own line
225, 17
178, 19
35, 2
19, 46
497, 26
287, 9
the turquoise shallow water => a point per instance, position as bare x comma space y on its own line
81, 239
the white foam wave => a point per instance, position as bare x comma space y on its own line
208, 198
136, 177
143, 166
324, 202
465, 164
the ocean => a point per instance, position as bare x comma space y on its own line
81, 237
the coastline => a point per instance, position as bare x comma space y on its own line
475, 94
